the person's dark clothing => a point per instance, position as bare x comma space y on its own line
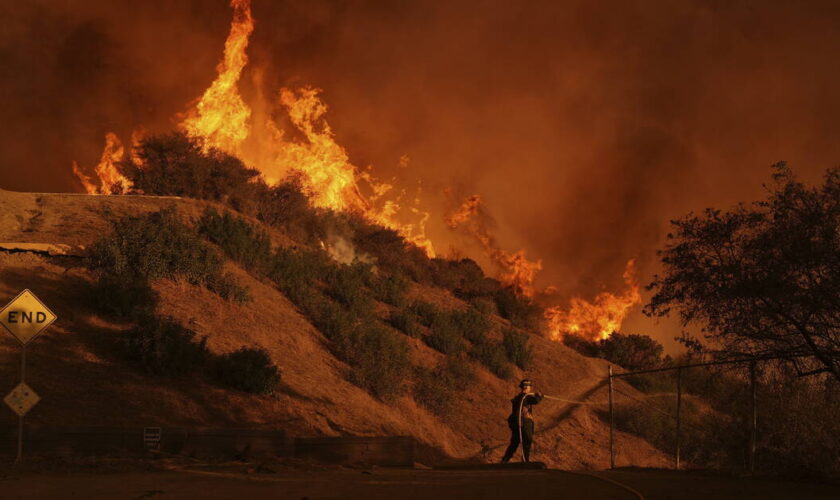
527, 405
527, 438
527, 424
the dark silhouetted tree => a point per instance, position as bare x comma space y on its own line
764, 278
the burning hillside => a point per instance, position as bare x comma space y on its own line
223, 120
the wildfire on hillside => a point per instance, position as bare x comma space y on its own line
109, 179
223, 120
598, 319
594, 320
516, 270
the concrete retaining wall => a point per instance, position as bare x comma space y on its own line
206, 443
210, 443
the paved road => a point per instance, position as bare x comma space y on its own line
367, 485
673, 485
402, 484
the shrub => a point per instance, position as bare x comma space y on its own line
226, 287
391, 250
520, 310
390, 289
433, 391
155, 245
248, 369
158, 245
286, 206
347, 284
242, 242
330, 318
292, 268
405, 321
492, 356
472, 324
426, 312
377, 357
517, 348
582, 345
123, 296
164, 347
632, 352
444, 336
177, 164
484, 305
463, 276
379, 360
438, 389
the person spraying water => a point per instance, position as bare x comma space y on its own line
521, 421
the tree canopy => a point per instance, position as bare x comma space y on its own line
761, 279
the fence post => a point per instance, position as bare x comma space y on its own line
612, 424
679, 414
754, 419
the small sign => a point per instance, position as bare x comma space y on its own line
21, 399
151, 438
25, 317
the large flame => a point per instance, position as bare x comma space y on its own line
223, 119
221, 116
597, 319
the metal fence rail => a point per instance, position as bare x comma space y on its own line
753, 418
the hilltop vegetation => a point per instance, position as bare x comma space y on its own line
340, 299
175, 164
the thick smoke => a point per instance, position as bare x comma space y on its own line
583, 126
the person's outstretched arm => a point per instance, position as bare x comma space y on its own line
534, 398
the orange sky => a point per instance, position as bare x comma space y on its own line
583, 127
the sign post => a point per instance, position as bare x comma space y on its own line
25, 317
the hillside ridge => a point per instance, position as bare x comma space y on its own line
77, 369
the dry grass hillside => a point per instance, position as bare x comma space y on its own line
77, 369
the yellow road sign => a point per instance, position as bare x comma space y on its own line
26, 316
21, 399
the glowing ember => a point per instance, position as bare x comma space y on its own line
597, 319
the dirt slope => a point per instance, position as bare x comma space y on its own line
77, 369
